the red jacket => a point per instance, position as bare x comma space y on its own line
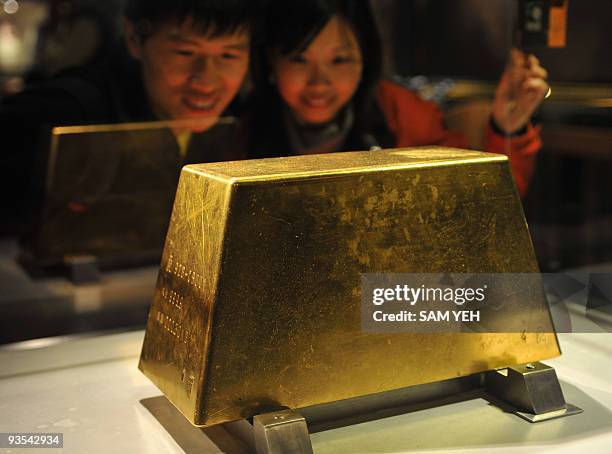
416, 122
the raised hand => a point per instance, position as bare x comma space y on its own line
520, 91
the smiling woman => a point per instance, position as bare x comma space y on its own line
319, 90
319, 70
319, 81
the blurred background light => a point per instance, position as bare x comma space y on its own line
11, 6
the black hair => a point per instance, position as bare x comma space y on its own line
212, 17
291, 25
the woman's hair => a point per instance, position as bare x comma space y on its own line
212, 17
292, 25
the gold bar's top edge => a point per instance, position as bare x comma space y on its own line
226, 171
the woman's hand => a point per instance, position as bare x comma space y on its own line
519, 93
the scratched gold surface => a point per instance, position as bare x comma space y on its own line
258, 298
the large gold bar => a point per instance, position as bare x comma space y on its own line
258, 296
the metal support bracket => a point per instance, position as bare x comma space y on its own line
532, 389
83, 269
281, 432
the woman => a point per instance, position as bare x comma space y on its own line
319, 90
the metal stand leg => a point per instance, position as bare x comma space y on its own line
82, 269
281, 432
532, 389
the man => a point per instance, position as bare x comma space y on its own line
193, 60
184, 60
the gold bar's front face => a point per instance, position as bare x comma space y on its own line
258, 297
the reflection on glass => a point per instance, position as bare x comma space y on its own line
110, 188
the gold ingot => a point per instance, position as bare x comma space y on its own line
258, 296
109, 190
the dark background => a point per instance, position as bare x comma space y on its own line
448, 42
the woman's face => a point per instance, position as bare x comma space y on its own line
317, 83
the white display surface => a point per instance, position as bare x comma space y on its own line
91, 390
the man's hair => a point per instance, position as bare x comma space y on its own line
212, 17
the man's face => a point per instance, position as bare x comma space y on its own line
189, 75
